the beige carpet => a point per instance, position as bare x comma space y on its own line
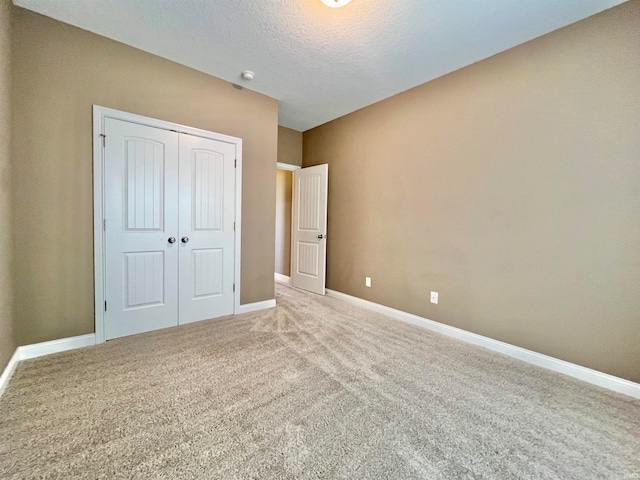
314, 388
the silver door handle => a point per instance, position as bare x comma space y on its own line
172, 240
322, 236
184, 239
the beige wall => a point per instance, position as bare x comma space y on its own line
7, 341
289, 146
59, 73
283, 222
511, 187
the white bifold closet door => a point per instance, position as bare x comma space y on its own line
169, 233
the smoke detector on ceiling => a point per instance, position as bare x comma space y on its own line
247, 75
335, 3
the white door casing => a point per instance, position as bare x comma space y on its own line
207, 214
141, 174
148, 261
309, 225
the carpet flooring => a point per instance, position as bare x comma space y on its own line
315, 388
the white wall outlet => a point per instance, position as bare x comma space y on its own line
434, 297
367, 281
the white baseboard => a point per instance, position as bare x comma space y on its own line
282, 278
585, 374
56, 346
8, 370
252, 307
26, 352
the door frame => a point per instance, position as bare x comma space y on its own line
287, 166
99, 116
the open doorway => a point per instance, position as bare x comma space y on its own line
301, 226
284, 194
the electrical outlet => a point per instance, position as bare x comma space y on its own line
367, 281
434, 297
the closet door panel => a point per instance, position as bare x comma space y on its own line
207, 236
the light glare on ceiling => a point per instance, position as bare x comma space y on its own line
335, 3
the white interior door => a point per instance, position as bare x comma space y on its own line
207, 236
141, 222
309, 225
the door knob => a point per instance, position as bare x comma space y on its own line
322, 236
185, 239
172, 240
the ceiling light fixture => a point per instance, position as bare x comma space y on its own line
335, 3
247, 75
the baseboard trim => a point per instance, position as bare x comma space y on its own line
585, 374
35, 350
282, 278
8, 370
252, 307
56, 346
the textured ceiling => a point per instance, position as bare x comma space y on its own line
319, 62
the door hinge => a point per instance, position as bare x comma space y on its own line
234, 226
104, 139
104, 224
235, 163
234, 287
105, 305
